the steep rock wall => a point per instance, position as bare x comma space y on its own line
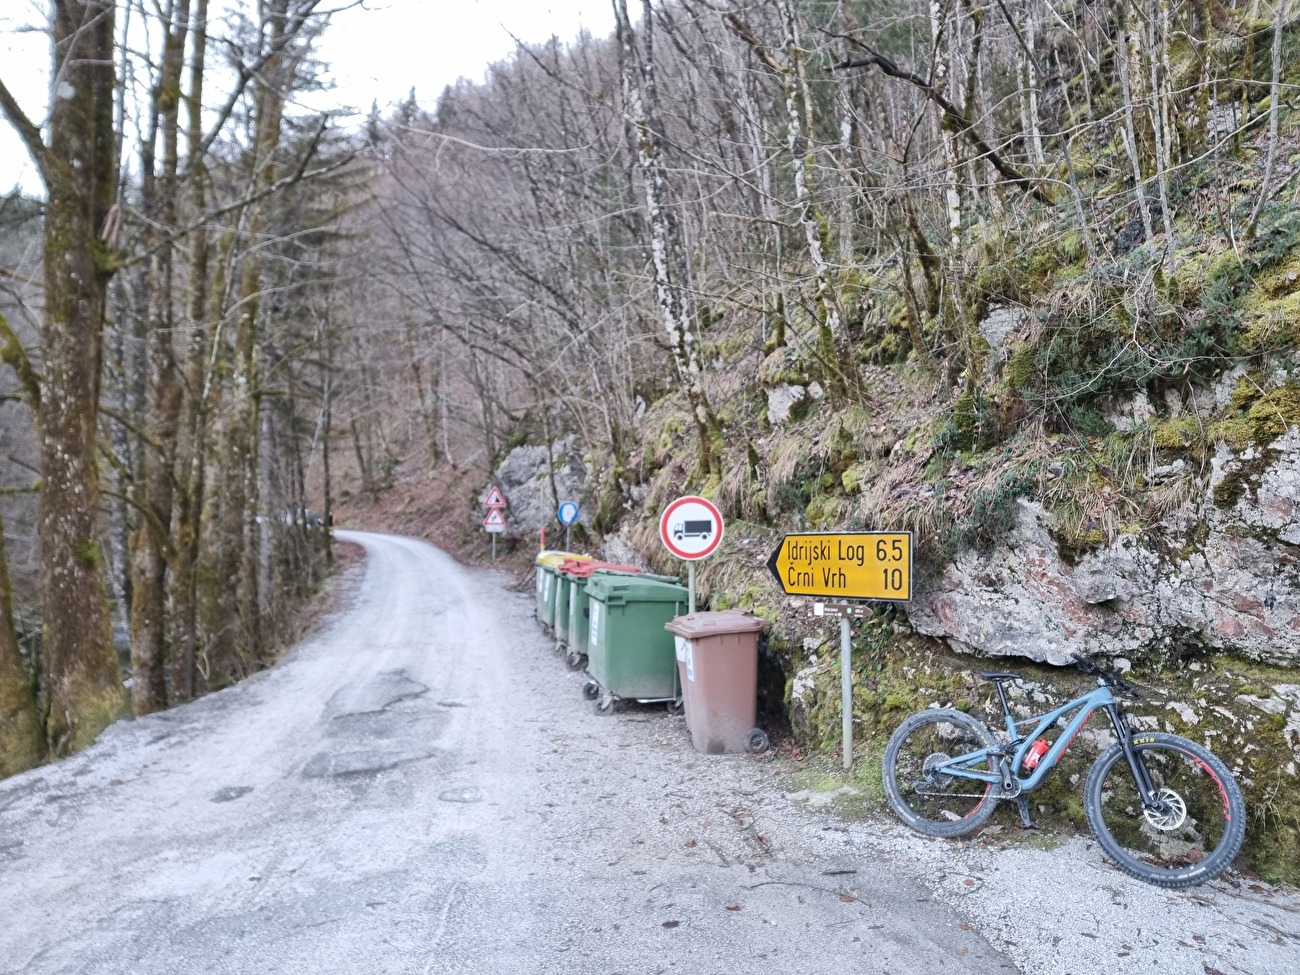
1222, 574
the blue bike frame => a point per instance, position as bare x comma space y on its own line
962, 765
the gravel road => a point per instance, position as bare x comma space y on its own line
420, 788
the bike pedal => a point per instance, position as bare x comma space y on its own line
1022, 807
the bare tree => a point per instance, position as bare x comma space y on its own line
79, 167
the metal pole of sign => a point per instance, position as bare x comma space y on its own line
566, 538
494, 546
846, 690
690, 576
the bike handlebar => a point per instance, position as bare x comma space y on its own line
1108, 677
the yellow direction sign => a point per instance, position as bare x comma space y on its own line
845, 565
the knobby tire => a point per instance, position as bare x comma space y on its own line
1214, 824
939, 726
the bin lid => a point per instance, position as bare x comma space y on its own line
552, 557
608, 586
553, 560
582, 569
716, 623
641, 574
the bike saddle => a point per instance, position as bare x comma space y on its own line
994, 675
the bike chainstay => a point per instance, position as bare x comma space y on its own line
1009, 788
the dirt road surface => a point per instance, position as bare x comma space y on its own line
419, 788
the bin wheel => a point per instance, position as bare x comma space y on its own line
675, 707
591, 690
575, 660
606, 705
756, 741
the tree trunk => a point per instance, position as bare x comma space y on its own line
163, 391
796, 92
242, 543
669, 260
83, 678
1129, 134
22, 746
187, 501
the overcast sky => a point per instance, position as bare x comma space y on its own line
376, 53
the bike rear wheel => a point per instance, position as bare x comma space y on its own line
1198, 834
928, 800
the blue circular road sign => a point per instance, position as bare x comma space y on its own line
567, 512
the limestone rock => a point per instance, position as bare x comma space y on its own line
1235, 587
1000, 322
523, 477
620, 550
782, 399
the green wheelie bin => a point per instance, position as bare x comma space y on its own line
546, 563
571, 630
559, 612
630, 656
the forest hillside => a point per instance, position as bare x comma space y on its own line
1021, 277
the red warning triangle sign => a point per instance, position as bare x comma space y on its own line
495, 498
496, 518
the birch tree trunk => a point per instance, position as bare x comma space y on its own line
812, 221
676, 306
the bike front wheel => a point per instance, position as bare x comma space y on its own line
1196, 833
923, 796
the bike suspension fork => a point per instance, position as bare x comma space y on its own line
1146, 788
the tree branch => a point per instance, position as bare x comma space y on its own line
743, 31
964, 126
27, 131
297, 176
14, 355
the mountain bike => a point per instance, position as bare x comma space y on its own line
1163, 808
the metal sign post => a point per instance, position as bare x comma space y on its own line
846, 612
845, 566
846, 691
495, 522
691, 528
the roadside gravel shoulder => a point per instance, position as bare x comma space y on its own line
1049, 902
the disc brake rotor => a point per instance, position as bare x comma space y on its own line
1173, 815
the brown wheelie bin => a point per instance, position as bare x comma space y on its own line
720, 690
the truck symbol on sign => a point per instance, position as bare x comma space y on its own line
693, 529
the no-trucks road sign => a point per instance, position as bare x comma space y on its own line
691, 528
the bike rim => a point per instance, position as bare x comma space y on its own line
930, 794
1193, 824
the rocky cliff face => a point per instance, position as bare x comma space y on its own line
535, 480
1221, 574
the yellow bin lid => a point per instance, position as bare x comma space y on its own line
553, 557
